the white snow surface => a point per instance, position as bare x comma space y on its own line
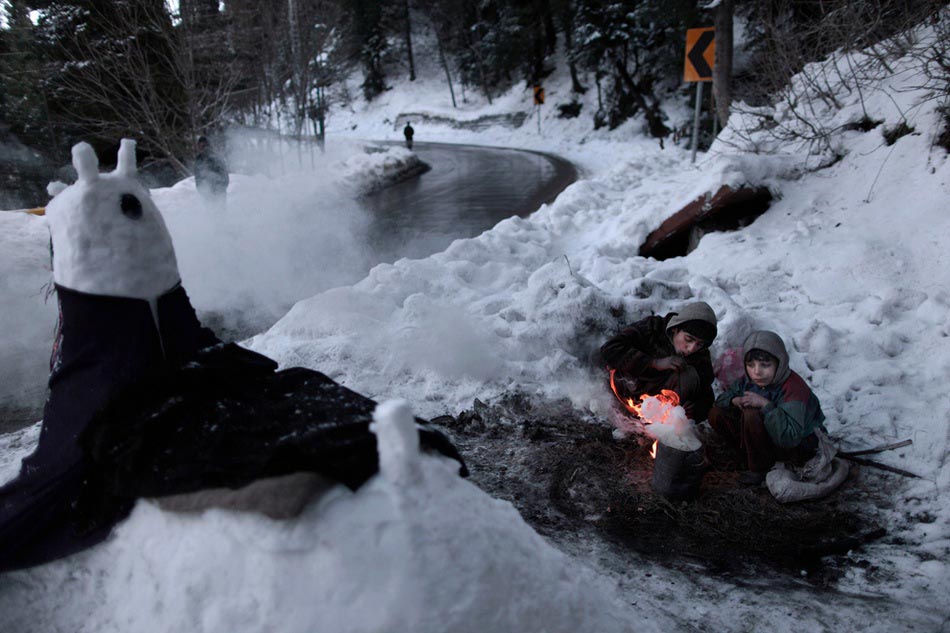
849, 265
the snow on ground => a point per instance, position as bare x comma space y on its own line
849, 265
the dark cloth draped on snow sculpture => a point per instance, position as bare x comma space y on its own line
107, 342
228, 418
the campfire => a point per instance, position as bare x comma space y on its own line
663, 418
678, 471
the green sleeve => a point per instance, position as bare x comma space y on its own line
786, 423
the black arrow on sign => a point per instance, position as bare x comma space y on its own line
695, 54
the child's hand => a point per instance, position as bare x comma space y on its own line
676, 363
750, 400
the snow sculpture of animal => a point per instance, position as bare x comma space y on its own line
108, 236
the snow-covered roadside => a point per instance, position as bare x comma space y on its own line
27, 318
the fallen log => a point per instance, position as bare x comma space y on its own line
724, 209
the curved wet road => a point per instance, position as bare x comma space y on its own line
468, 190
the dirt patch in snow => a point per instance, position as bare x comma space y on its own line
567, 475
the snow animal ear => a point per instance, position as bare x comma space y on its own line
126, 161
86, 162
55, 188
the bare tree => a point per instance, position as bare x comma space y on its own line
142, 79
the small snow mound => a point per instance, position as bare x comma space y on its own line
397, 441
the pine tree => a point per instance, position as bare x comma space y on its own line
371, 42
22, 102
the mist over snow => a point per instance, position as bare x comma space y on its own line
28, 318
849, 264
290, 230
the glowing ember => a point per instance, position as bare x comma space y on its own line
653, 449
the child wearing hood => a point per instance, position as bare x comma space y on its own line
666, 352
770, 414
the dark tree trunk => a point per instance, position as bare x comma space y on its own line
567, 19
638, 91
445, 67
722, 72
412, 66
550, 33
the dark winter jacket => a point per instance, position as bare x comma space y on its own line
107, 343
793, 412
633, 350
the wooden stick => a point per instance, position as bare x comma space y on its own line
868, 462
878, 449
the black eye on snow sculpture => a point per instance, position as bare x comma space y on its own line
131, 207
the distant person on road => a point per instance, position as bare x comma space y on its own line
408, 133
665, 352
211, 174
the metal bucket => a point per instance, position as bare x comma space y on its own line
677, 474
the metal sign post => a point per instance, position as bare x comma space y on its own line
538, 102
700, 60
694, 142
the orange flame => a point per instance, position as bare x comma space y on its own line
666, 396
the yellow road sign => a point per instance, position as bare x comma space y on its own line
538, 95
700, 54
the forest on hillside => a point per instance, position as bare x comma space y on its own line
166, 73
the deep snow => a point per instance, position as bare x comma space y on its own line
849, 265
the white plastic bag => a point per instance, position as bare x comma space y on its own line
820, 475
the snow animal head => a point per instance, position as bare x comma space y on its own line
108, 236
